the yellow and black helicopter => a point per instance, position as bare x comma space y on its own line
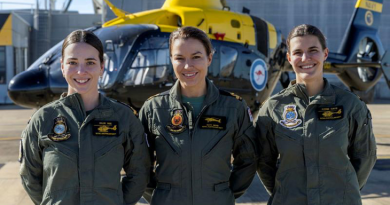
250, 54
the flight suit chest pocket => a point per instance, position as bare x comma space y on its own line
164, 139
61, 149
108, 161
59, 164
291, 134
328, 129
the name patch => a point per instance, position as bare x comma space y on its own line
330, 113
105, 128
213, 122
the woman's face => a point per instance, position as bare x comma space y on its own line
190, 62
307, 58
81, 68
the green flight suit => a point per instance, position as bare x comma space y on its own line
318, 151
193, 157
82, 165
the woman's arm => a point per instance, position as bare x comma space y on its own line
362, 148
31, 164
267, 151
144, 118
244, 153
137, 163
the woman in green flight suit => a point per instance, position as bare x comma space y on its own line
316, 140
74, 148
194, 128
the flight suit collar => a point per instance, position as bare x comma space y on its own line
327, 96
74, 101
211, 95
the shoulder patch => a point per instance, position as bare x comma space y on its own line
153, 96
223, 92
131, 108
158, 94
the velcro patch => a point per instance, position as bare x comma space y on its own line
105, 128
330, 113
213, 122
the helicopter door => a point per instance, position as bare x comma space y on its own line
228, 58
223, 72
261, 35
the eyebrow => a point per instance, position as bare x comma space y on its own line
197, 52
89, 59
309, 48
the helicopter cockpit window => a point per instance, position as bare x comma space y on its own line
117, 42
228, 60
150, 64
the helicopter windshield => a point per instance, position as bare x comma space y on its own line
150, 63
117, 42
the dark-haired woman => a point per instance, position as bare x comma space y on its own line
316, 140
74, 148
194, 129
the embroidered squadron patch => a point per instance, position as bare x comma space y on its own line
290, 116
105, 128
59, 130
213, 122
176, 125
330, 113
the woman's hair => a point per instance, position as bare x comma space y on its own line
81, 36
190, 32
304, 30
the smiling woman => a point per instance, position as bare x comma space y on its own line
315, 139
74, 148
82, 65
194, 129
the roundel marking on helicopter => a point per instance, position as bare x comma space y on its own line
369, 18
258, 74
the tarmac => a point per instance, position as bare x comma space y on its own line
13, 120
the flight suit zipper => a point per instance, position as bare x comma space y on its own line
191, 132
188, 112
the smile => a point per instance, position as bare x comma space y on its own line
307, 66
189, 74
81, 81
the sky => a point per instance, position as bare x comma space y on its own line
83, 6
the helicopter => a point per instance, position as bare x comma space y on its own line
249, 58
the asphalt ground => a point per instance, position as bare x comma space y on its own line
13, 120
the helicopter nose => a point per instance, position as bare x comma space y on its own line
30, 88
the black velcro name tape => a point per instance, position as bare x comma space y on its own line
105, 128
213, 122
330, 113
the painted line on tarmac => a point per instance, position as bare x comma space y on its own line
9, 138
381, 135
383, 156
